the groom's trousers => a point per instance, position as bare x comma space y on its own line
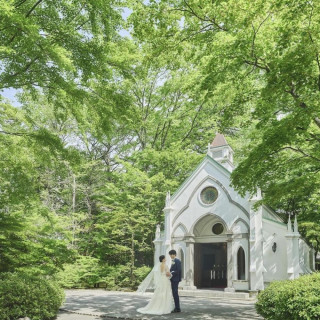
174, 287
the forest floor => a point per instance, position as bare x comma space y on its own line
107, 305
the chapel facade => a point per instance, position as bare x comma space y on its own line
221, 239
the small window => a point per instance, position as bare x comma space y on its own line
217, 228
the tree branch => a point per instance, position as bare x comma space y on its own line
302, 104
257, 65
203, 29
297, 150
255, 32
205, 19
193, 123
314, 137
317, 54
33, 8
20, 3
20, 134
26, 68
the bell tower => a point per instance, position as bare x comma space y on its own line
220, 151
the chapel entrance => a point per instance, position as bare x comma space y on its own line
210, 265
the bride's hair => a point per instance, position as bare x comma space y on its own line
161, 258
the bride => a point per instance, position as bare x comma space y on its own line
162, 300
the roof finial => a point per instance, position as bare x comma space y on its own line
168, 199
289, 224
158, 232
208, 152
295, 224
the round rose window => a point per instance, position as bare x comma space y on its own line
209, 195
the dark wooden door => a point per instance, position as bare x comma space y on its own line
210, 265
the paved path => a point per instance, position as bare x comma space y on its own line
98, 304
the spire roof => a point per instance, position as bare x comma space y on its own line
219, 140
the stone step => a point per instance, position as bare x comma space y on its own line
214, 294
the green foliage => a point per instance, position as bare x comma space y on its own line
29, 240
88, 272
71, 52
84, 273
109, 124
259, 71
311, 232
22, 295
167, 106
119, 277
56, 44
32, 235
292, 299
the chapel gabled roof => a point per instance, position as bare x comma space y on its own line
219, 140
195, 171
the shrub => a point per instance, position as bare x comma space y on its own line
23, 295
140, 274
118, 277
291, 299
84, 273
87, 272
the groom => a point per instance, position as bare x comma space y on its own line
175, 271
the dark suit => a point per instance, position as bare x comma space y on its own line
175, 270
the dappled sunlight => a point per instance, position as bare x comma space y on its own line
124, 305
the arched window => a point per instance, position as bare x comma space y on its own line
241, 264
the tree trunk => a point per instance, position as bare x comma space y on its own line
132, 259
73, 208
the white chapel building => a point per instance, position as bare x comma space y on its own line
222, 241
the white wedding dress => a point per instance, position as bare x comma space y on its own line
162, 300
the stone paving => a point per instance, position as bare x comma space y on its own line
101, 304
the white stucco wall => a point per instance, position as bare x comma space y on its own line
275, 263
187, 208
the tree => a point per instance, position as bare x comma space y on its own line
311, 232
32, 236
259, 62
68, 50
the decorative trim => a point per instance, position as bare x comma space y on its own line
196, 190
184, 229
244, 222
278, 222
270, 210
241, 236
206, 158
208, 214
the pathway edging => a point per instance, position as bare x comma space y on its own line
95, 315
